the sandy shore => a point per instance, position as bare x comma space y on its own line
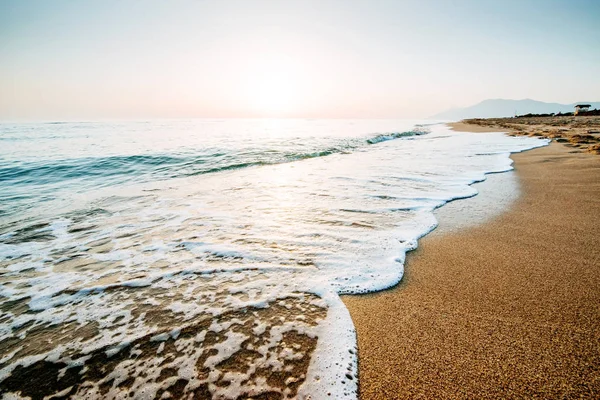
464, 127
506, 309
578, 132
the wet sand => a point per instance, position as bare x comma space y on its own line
506, 309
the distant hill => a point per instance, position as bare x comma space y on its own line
496, 108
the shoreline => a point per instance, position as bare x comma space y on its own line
580, 133
506, 308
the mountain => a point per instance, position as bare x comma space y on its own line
495, 108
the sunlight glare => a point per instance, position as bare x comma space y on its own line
274, 87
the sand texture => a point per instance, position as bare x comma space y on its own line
505, 309
581, 133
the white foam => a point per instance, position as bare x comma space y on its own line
247, 240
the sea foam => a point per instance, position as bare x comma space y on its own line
227, 284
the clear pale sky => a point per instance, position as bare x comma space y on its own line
259, 58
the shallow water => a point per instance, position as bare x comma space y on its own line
160, 259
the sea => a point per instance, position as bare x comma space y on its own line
205, 258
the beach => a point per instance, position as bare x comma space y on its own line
509, 308
218, 273
194, 266
267, 200
578, 132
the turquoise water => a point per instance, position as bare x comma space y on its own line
40, 162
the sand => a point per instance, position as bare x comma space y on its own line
505, 309
464, 127
578, 132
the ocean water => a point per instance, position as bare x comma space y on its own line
160, 259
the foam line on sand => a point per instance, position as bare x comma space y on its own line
508, 308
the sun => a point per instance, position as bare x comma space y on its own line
274, 87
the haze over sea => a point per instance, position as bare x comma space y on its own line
207, 256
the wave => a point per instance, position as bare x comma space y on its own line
420, 130
207, 279
166, 166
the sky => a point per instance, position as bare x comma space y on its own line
298, 59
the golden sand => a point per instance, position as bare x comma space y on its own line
578, 132
506, 309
